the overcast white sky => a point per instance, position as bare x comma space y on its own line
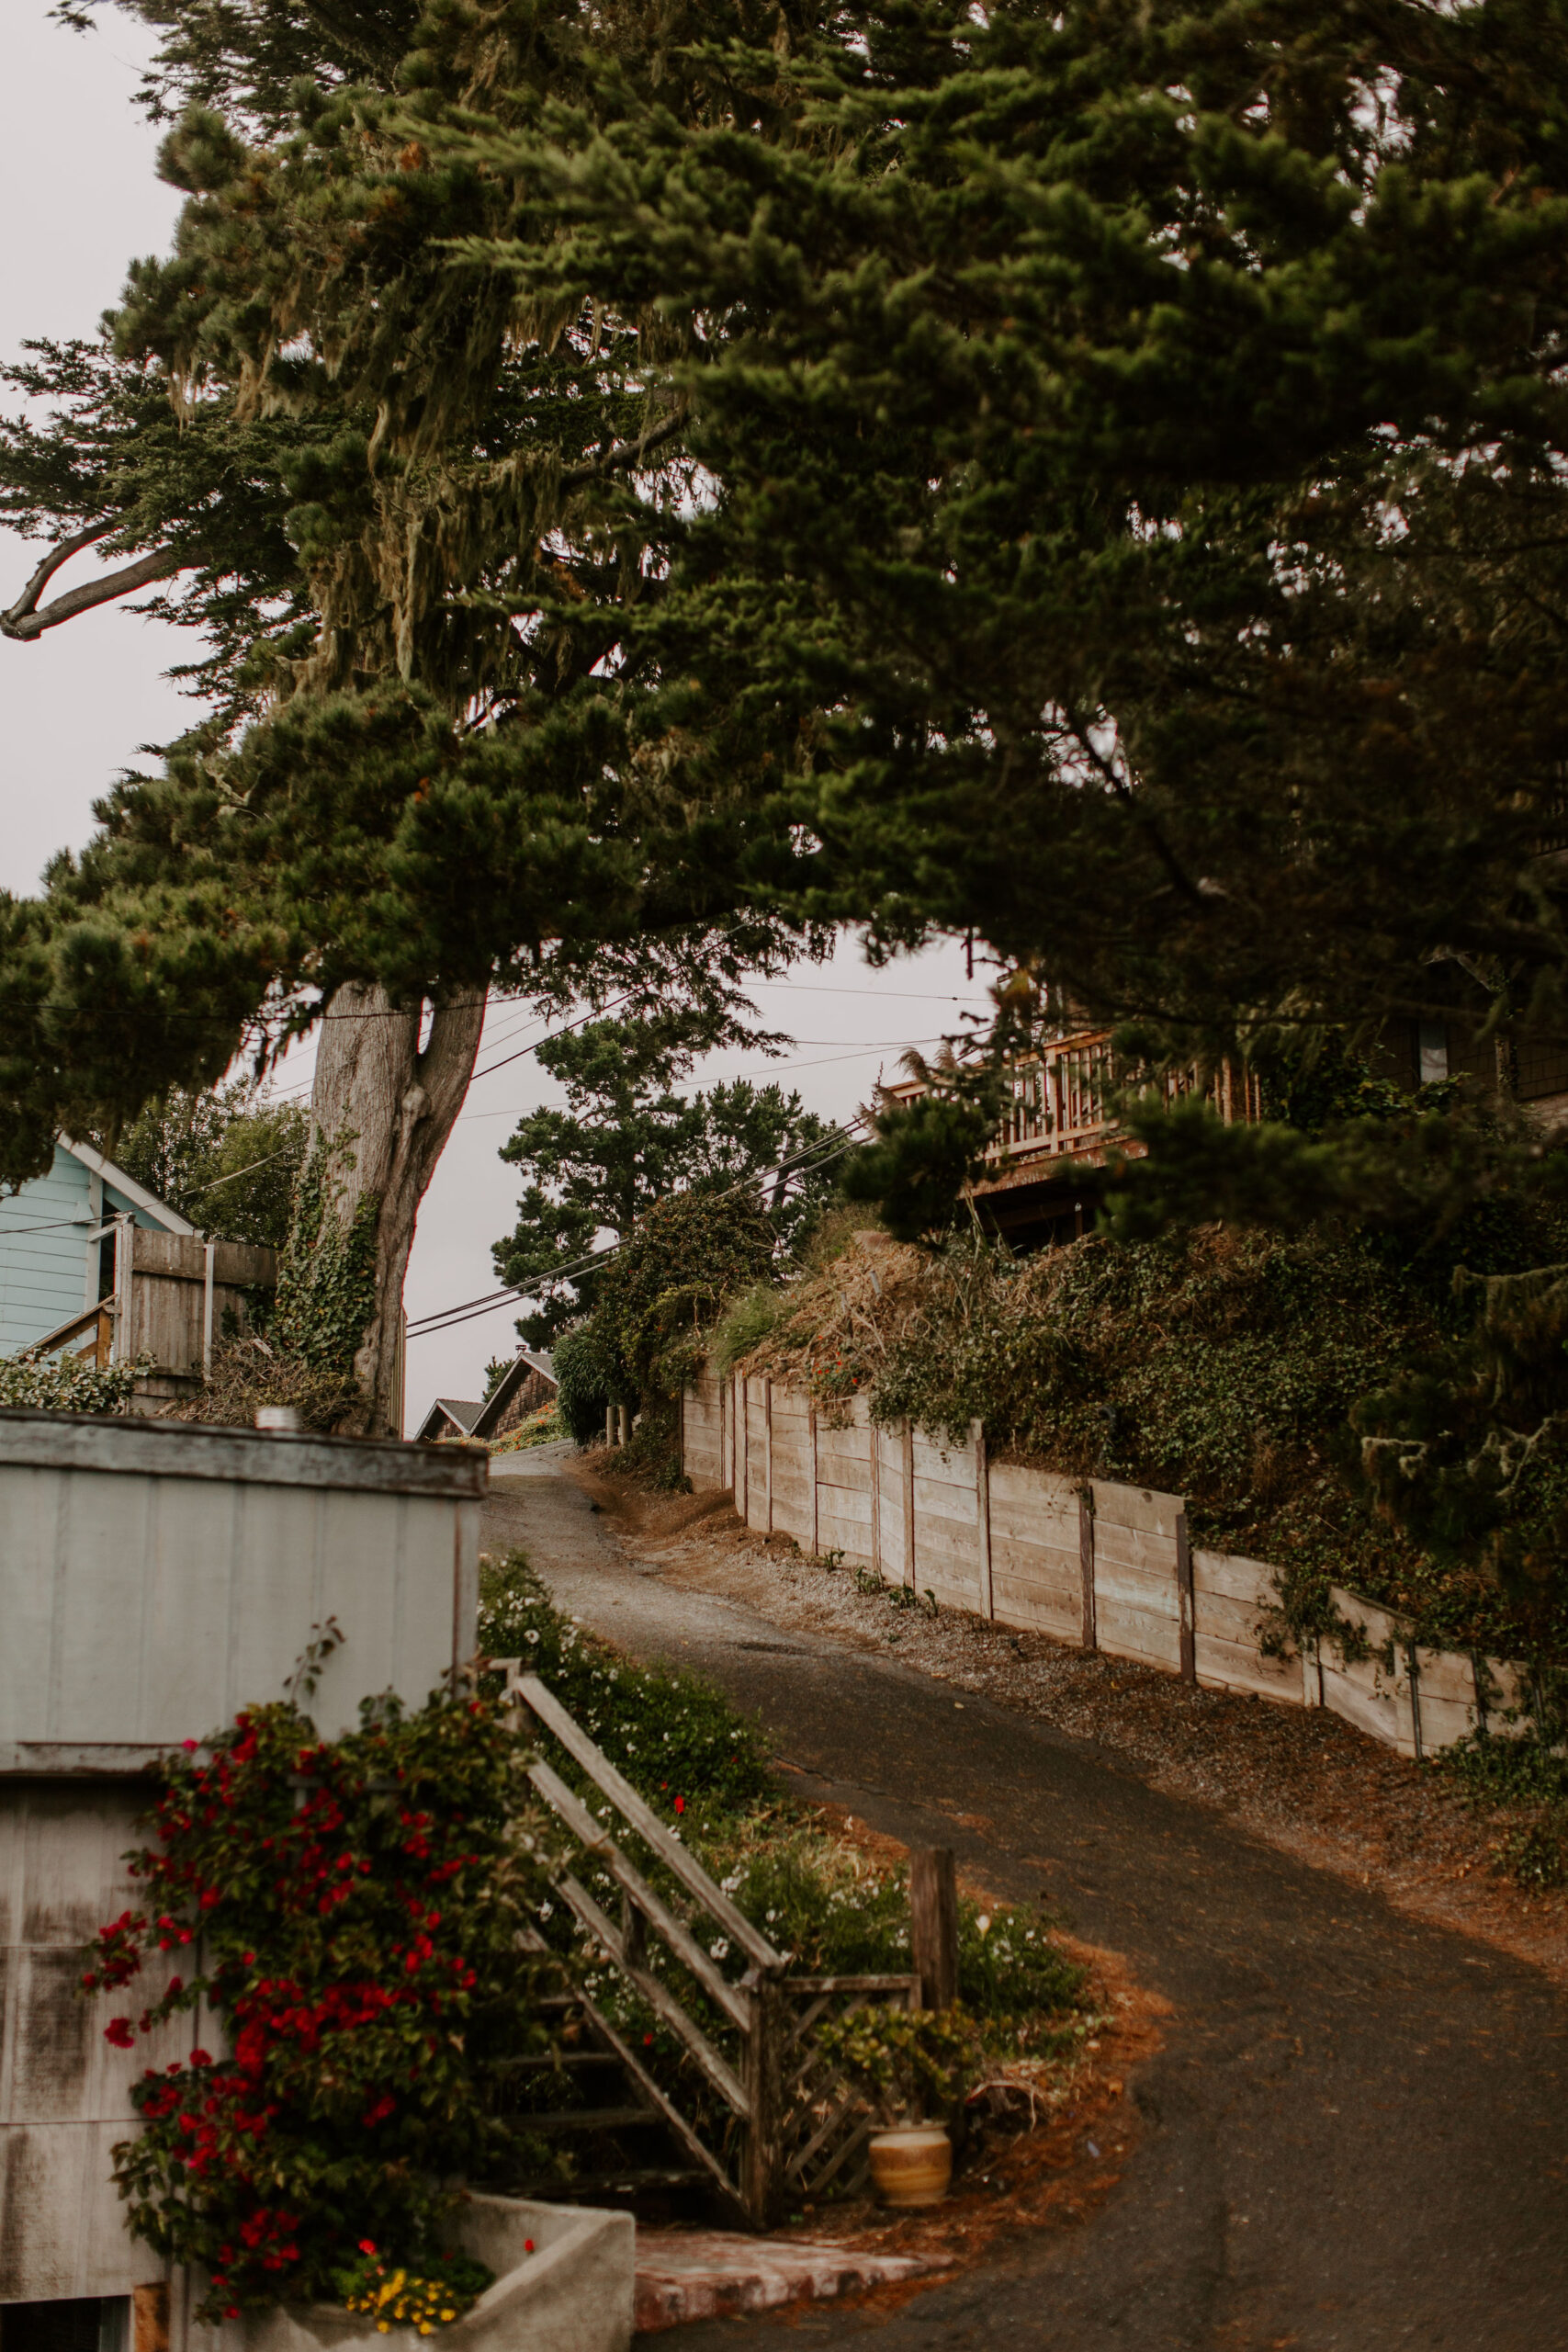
76, 707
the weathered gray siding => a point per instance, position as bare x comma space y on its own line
64, 2092
154, 1577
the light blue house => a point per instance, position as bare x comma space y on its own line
55, 1259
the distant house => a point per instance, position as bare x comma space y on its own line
526, 1384
56, 1258
450, 1417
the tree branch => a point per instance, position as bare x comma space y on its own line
625, 453
28, 601
23, 622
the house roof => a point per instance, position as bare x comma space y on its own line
137, 1195
529, 1360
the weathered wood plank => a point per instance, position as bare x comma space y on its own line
1124, 1631
1137, 1548
1037, 1607
1134, 1587
192, 1449
1140, 1507
1228, 1575
955, 1506
1239, 1666
851, 1537
942, 1462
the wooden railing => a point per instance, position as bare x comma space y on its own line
95, 1325
773, 2120
1057, 1100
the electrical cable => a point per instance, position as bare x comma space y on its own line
798, 1163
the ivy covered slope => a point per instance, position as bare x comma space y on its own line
1242, 1369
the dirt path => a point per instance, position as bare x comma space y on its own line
1355, 2134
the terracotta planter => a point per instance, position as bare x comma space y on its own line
911, 2167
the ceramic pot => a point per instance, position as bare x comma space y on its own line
911, 2167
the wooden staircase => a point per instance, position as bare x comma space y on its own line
751, 2115
584, 2126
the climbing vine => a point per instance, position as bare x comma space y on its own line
326, 1282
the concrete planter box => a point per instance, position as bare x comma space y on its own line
573, 2293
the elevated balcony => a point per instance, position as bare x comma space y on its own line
1044, 1166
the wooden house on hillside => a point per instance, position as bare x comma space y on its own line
1045, 1170
93, 1265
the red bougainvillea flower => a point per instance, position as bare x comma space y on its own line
118, 2030
680, 1804
367, 2245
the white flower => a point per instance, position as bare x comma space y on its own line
771, 1916
720, 1950
983, 1923
732, 1882
547, 1910
530, 1636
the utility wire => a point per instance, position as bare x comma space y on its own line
798, 1163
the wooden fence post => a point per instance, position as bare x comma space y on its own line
765, 2181
812, 1430
908, 1502
1086, 1563
875, 1444
744, 1452
982, 1515
933, 1925
767, 1455
1186, 1601
124, 1285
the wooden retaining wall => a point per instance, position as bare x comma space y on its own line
1104, 1565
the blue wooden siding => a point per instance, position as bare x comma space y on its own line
44, 1250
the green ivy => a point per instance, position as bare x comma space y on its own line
68, 1384
326, 1281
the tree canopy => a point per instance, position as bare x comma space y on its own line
1139, 437
229, 1159
626, 1139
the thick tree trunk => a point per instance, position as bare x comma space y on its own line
380, 1113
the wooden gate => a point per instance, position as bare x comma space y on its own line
766, 2116
174, 1294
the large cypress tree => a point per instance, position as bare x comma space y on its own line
1138, 435
415, 516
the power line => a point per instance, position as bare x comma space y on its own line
798, 1163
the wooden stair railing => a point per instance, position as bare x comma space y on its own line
95, 1323
789, 2122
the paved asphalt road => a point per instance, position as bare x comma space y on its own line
1355, 2134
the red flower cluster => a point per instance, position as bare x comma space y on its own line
334, 1934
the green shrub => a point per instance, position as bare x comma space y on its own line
67, 1385
679, 1741
349, 1913
583, 1387
745, 1323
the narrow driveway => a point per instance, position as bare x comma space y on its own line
1357, 2134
